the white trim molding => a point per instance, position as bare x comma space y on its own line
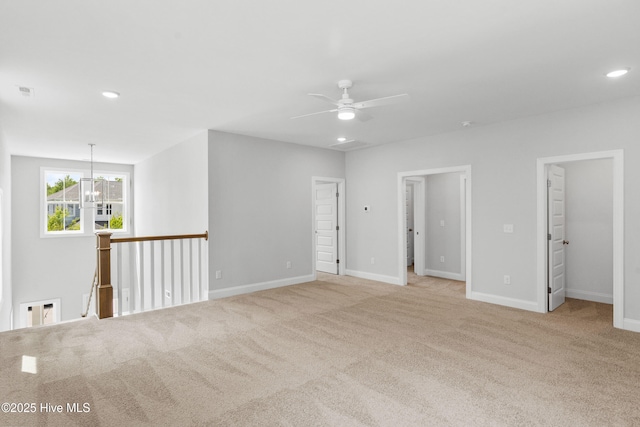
262, 286
402, 239
373, 276
507, 302
342, 222
444, 275
590, 296
631, 325
618, 228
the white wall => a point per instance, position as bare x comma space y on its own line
52, 267
589, 229
443, 204
503, 169
5, 238
170, 190
260, 210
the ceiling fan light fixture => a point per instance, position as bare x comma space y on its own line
346, 113
342, 139
618, 73
110, 94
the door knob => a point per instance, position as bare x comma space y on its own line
411, 229
565, 242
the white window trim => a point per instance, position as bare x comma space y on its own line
43, 205
24, 310
87, 222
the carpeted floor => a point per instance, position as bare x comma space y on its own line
336, 352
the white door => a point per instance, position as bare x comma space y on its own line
556, 236
326, 201
409, 224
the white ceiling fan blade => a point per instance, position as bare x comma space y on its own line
349, 145
313, 114
387, 100
363, 116
324, 98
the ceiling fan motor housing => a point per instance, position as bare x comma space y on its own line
345, 84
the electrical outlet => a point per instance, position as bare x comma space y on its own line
288, 264
442, 259
373, 260
442, 223
507, 280
218, 274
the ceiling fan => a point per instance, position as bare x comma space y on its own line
347, 108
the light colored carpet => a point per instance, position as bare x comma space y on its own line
336, 352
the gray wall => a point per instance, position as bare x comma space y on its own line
170, 190
443, 203
589, 229
5, 238
260, 210
52, 267
504, 191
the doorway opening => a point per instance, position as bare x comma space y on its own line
328, 225
415, 190
555, 221
1, 244
415, 224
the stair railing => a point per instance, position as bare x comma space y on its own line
147, 260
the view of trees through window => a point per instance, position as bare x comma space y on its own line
63, 213
109, 214
63, 201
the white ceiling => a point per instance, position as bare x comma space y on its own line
246, 67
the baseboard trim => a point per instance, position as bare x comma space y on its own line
263, 286
589, 296
372, 276
444, 274
632, 325
508, 302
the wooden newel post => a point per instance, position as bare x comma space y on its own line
104, 295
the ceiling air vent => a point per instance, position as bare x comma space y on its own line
26, 91
348, 145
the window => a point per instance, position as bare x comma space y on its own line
62, 192
110, 215
39, 313
62, 214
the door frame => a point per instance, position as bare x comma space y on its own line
402, 239
342, 254
419, 221
618, 226
463, 226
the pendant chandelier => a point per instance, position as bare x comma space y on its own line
91, 189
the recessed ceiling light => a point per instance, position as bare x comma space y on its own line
618, 73
342, 139
110, 94
466, 124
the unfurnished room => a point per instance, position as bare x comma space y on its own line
285, 213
